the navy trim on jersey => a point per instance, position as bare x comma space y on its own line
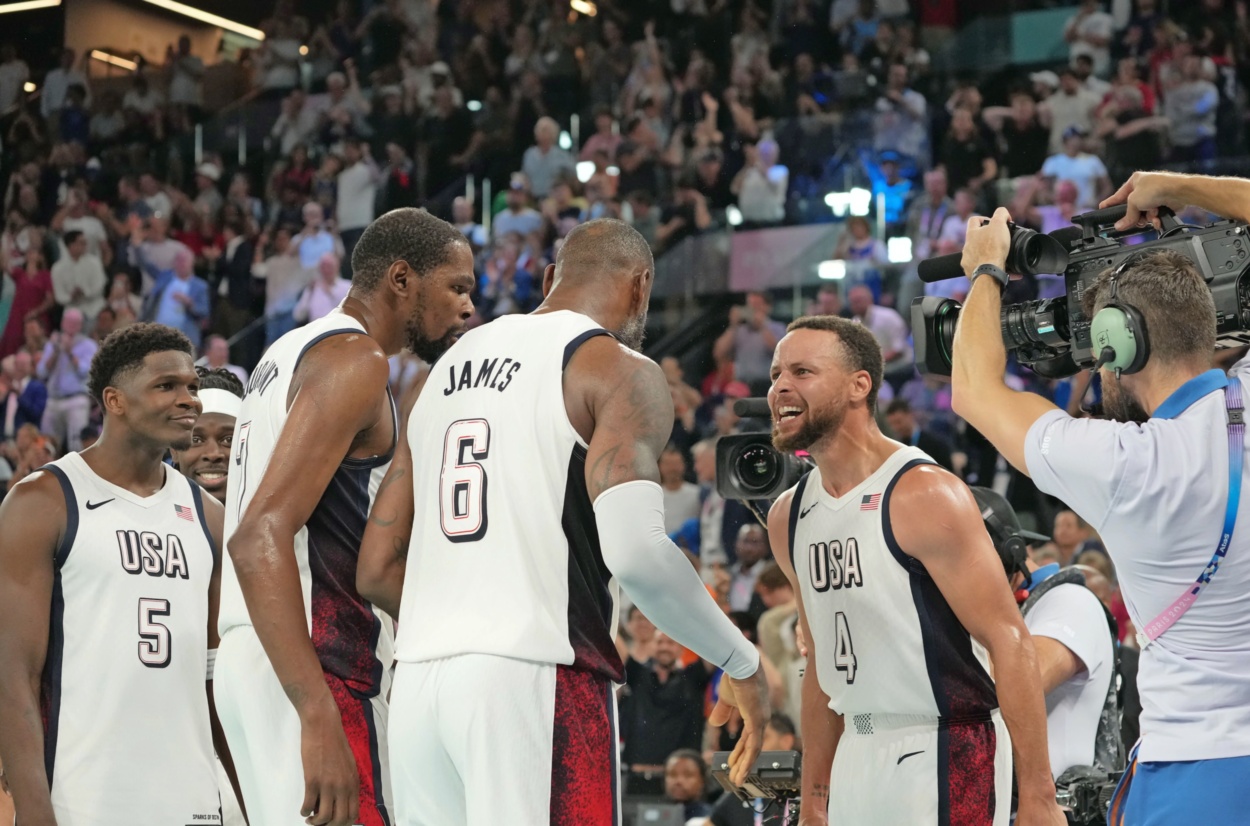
571, 347
375, 758
198, 495
320, 338
370, 462
52, 666
908, 562
796, 507
71, 516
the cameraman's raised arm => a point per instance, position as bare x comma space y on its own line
1145, 192
979, 357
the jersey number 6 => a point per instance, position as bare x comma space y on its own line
462, 481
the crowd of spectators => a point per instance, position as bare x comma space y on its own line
670, 115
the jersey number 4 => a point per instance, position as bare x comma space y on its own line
843, 648
462, 481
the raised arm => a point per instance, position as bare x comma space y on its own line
32, 521
346, 375
958, 555
622, 401
820, 725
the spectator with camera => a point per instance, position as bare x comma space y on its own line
750, 339
1151, 480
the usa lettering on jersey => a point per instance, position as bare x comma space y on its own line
834, 565
144, 553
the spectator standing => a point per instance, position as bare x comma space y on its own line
604, 139
33, 297
544, 161
357, 193
464, 219
13, 76
901, 121
687, 215
519, 217
315, 240
751, 550
325, 293
284, 279
1072, 105
27, 397
179, 297
217, 357
1081, 168
890, 330
749, 341
73, 217
904, 427
446, 133
296, 124
681, 498
78, 278
56, 87
208, 200
505, 287
1089, 33
63, 368
1190, 107
864, 255
186, 76
927, 214
1023, 140
969, 162
761, 185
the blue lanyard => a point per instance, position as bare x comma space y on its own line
1236, 456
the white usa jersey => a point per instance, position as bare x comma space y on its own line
126, 727
352, 639
885, 639
505, 555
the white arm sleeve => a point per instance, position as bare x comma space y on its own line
660, 581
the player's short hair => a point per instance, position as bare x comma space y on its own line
219, 379
424, 241
125, 350
604, 245
859, 351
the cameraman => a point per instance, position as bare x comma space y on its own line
1155, 484
1075, 642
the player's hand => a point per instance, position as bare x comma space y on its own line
1144, 193
987, 242
749, 698
331, 782
800, 640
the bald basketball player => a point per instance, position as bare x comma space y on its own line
534, 447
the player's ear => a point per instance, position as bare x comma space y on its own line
861, 385
549, 279
642, 289
113, 400
400, 278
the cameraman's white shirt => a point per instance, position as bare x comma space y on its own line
1156, 493
1072, 615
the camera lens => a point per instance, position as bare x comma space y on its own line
757, 467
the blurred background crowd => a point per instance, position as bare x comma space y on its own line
805, 154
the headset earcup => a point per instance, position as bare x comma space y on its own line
1113, 326
1137, 323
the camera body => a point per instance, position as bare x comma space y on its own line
749, 467
1052, 336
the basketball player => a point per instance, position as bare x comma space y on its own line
901, 595
301, 670
536, 443
206, 462
109, 582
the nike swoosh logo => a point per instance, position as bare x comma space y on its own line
909, 754
809, 510
93, 505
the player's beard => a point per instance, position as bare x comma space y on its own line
419, 342
1118, 404
633, 332
818, 423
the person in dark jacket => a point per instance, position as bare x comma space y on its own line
902, 421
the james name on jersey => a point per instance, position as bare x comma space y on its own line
491, 372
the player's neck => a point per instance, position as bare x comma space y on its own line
390, 337
852, 454
133, 464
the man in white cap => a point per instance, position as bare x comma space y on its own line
208, 200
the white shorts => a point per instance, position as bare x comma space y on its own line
895, 769
263, 732
480, 740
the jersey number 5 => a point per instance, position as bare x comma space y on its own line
462, 481
155, 645
843, 648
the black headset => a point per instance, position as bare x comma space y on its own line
1011, 547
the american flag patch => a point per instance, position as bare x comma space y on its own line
184, 513
870, 502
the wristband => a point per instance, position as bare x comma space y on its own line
998, 273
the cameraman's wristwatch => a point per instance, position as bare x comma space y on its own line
993, 270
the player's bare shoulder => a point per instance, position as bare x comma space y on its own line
607, 383
343, 360
927, 504
34, 508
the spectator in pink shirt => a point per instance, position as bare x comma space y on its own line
325, 293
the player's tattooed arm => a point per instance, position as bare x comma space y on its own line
633, 415
384, 549
32, 519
